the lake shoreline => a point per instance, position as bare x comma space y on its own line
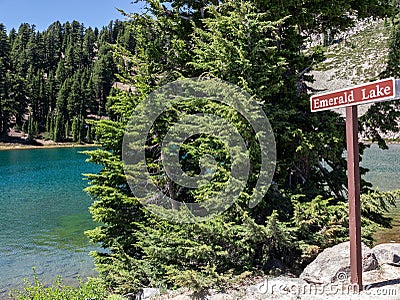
5, 146
41, 144
16, 140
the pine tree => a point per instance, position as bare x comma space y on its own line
58, 131
53, 42
89, 47
6, 105
255, 45
51, 91
103, 76
33, 128
74, 130
19, 56
18, 96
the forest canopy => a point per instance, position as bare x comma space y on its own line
53, 81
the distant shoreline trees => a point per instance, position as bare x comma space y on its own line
52, 82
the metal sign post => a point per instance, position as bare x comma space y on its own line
381, 90
353, 173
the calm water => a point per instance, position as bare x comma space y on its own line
44, 211
43, 215
384, 167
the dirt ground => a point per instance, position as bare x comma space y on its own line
18, 140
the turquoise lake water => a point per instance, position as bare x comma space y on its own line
43, 215
44, 211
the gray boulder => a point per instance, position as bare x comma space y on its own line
333, 264
387, 253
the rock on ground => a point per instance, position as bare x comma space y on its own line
387, 253
327, 277
333, 264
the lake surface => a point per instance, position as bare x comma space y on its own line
44, 211
384, 166
43, 215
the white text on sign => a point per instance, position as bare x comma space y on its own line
370, 92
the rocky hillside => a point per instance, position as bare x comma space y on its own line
357, 56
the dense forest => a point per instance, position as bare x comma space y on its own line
53, 82
56, 80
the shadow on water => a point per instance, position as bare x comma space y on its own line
384, 174
68, 235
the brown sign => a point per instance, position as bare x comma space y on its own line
380, 90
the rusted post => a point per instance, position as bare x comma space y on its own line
353, 170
